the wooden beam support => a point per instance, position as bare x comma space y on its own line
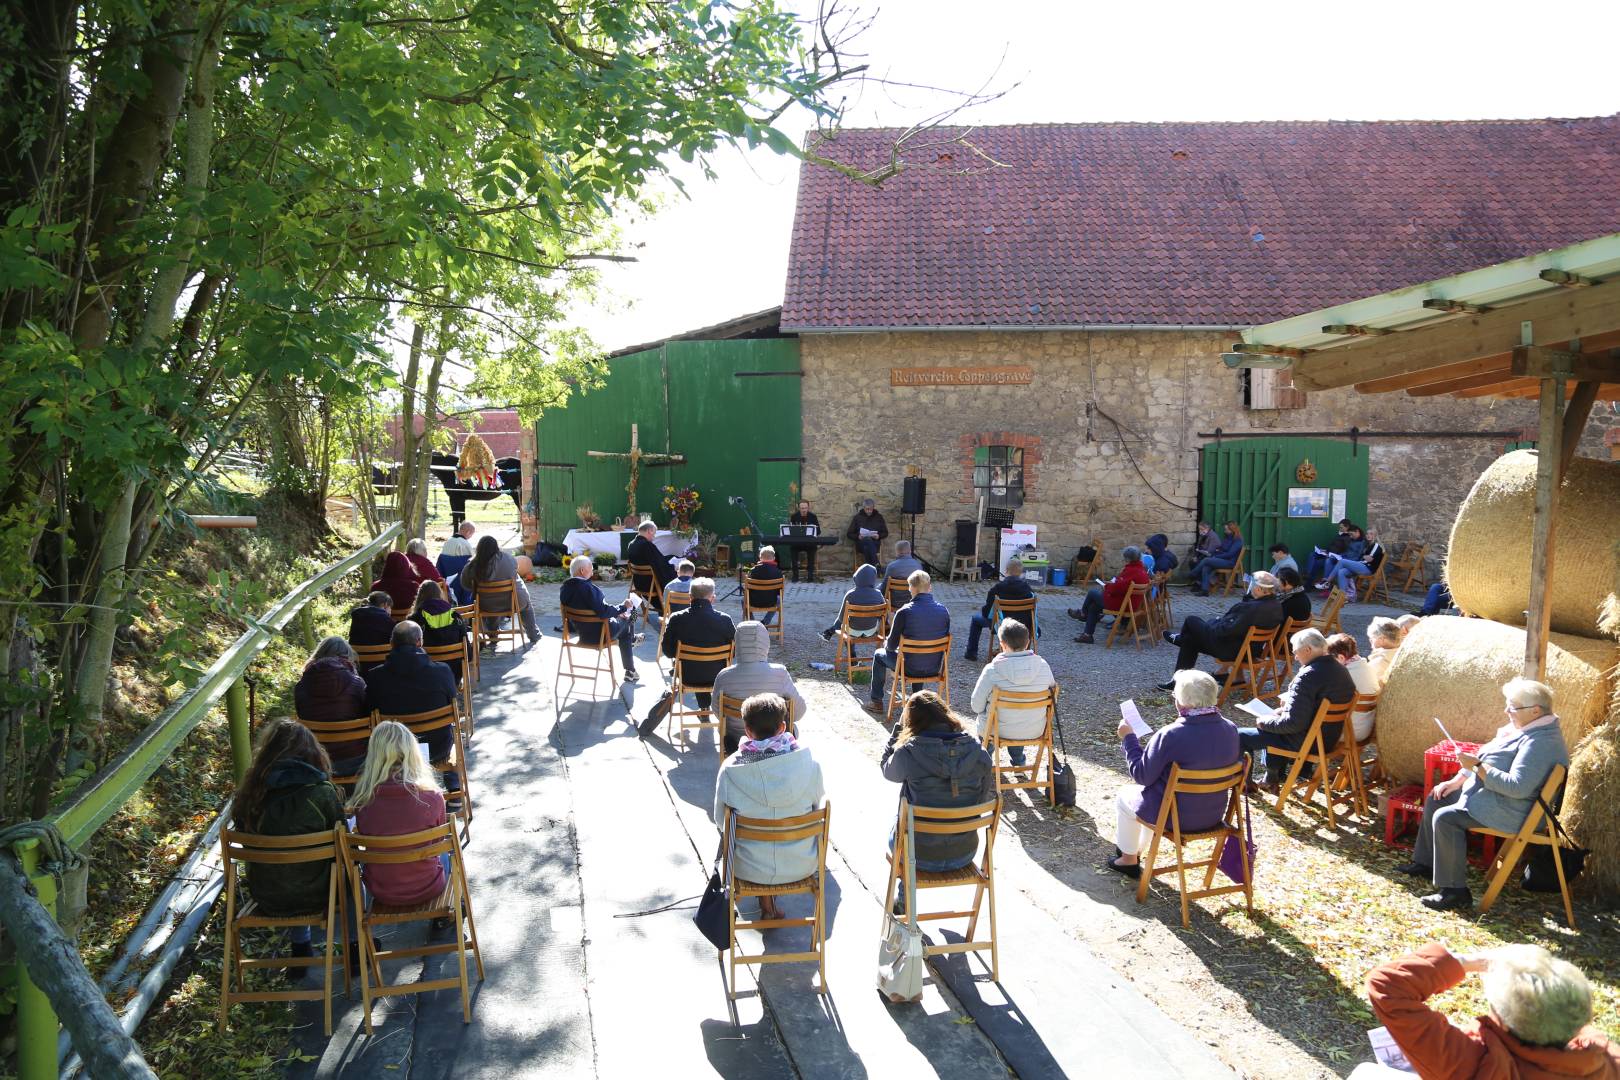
1558, 316
1436, 374
1506, 387
1268, 350
1352, 330
1455, 307
1605, 392
1470, 382
1567, 279
1539, 362
1549, 451
1581, 400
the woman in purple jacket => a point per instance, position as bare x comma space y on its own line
1201, 738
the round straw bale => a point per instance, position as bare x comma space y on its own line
1454, 668
1591, 810
1488, 564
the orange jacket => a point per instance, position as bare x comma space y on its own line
1483, 1050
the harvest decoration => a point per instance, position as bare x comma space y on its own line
681, 503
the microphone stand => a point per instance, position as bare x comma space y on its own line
738, 500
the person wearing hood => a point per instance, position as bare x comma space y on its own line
439, 622
1538, 1027
410, 682
416, 551
937, 763
399, 580
1164, 560
864, 594
372, 622
770, 776
924, 619
395, 795
1011, 587
331, 690
1019, 670
286, 791
750, 673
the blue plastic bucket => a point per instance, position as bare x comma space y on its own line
1059, 577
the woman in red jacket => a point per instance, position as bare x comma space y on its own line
1112, 595
1537, 1028
397, 794
399, 580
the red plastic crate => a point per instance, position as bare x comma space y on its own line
1402, 814
1440, 761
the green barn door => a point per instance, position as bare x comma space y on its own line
775, 483
1249, 480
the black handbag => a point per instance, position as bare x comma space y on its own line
1065, 788
655, 715
713, 915
1540, 874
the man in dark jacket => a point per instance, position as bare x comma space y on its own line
580, 593
643, 552
869, 520
701, 625
924, 619
371, 623
1011, 587
408, 682
764, 584
900, 568
1320, 678
1223, 637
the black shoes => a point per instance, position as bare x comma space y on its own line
632, 676
971, 656
1085, 639
1448, 900
1169, 684
1415, 869
1130, 870
827, 635
1174, 639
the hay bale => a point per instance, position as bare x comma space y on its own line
1591, 809
1488, 564
1454, 668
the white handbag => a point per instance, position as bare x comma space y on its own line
900, 954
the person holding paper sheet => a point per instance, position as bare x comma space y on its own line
1112, 595
642, 551
1319, 678
580, 593
867, 529
1539, 1026
1495, 788
1224, 637
1200, 738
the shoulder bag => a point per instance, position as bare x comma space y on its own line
900, 954
1232, 862
1064, 786
713, 915
1540, 875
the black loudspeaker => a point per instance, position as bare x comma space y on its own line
966, 533
914, 496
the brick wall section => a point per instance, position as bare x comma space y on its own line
1102, 406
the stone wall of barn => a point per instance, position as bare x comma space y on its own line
1110, 424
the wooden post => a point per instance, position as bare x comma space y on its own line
236, 714
51, 978
1549, 477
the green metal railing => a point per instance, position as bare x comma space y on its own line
101, 796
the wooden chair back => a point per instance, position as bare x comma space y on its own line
847, 654
680, 686
913, 649
1314, 749
1368, 585
1002, 700
400, 614
1282, 653
1160, 618
456, 652
652, 595
771, 601
816, 826
1132, 610
337, 732
980, 874
1536, 830
1022, 610
1250, 670
585, 632
1230, 576
731, 710
454, 904
673, 602
464, 612
1083, 573
898, 595
1414, 564
483, 591
1327, 620
237, 846
1167, 826
367, 657
423, 724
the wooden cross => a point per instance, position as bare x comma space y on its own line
637, 459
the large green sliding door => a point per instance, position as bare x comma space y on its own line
1249, 480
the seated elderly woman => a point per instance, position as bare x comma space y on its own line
1384, 635
1342, 647
1112, 595
1494, 790
1538, 1025
1200, 738
770, 776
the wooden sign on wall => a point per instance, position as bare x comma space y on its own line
1015, 375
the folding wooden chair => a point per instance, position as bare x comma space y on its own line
1159, 615
1022, 610
330, 733
680, 686
1250, 669
673, 602
848, 654
651, 597
809, 826
1132, 609
400, 614
595, 640
454, 903
1283, 653
1228, 577
994, 742
482, 591
1414, 564
423, 724
898, 595
458, 651
1314, 749
1375, 771
1537, 829
1083, 573
914, 648
770, 601
1168, 827
464, 612
946, 821
367, 657
281, 852
1327, 620
730, 709
1367, 585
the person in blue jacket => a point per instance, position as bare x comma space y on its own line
1225, 556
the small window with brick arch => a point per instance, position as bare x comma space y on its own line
998, 474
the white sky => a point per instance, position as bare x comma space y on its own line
722, 251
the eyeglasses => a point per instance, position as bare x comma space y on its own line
1520, 708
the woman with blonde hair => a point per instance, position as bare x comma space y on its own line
397, 794
937, 762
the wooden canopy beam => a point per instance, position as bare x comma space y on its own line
1605, 391
1581, 400
1452, 386
1507, 386
1455, 307
1549, 478
1567, 279
1543, 363
1410, 379
1558, 316
1352, 330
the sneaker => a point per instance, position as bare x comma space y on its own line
1448, 900
1415, 869
1174, 639
632, 676
827, 635
637, 640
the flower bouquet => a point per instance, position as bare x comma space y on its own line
681, 503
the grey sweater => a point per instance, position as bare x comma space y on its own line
1516, 764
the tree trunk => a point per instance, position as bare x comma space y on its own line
53, 964
405, 490
430, 415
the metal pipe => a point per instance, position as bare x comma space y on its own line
1354, 434
236, 714
36, 1019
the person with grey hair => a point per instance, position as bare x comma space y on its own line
642, 551
1224, 637
580, 593
901, 567
1111, 595
410, 682
1011, 587
681, 584
1384, 635
416, 551
453, 558
924, 619
1200, 738
1494, 789
1539, 1026
1319, 677
867, 530
1016, 669
329, 690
